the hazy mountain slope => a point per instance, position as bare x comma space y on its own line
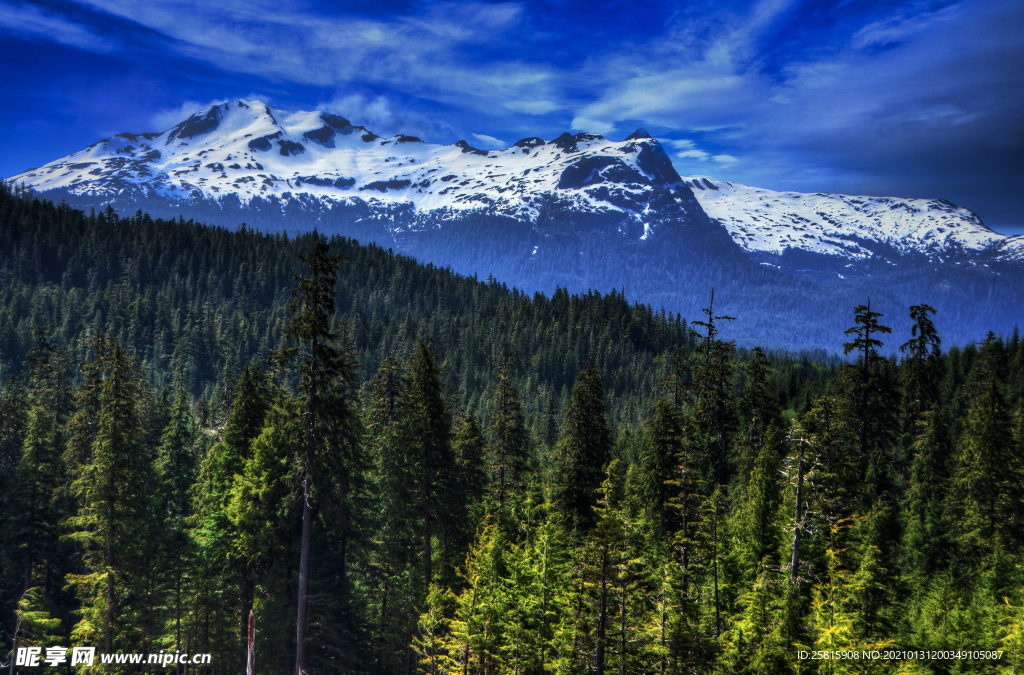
578, 211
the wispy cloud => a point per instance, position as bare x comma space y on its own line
381, 115
429, 53
919, 97
490, 142
26, 20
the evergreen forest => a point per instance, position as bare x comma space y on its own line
375, 466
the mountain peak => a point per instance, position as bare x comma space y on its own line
246, 150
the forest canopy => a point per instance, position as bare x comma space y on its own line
395, 469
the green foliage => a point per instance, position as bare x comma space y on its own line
433, 474
583, 449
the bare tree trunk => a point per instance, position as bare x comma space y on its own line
303, 611
250, 661
246, 614
602, 613
428, 552
664, 616
543, 605
718, 615
795, 558
108, 636
686, 540
622, 631
177, 611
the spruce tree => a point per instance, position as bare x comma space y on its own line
759, 410
927, 530
507, 431
874, 399
757, 526
264, 516
922, 364
176, 467
330, 462
987, 496
114, 490
38, 506
658, 460
431, 435
712, 404
583, 449
223, 465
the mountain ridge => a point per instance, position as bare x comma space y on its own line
326, 157
578, 211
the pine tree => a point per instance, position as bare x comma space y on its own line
51, 374
712, 403
430, 432
176, 467
223, 465
468, 489
264, 516
759, 409
986, 484
33, 626
927, 532
658, 460
84, 423
922, 366
14, 406
833, 462
113, 491
330, 461
507, 431
470, 642
394, 573
757, 527
38, 507
873, 396
583, 449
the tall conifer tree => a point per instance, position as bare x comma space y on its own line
328, 463
583, 449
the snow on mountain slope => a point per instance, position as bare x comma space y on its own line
763, 221
250, 149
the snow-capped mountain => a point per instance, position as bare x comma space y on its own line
248, 149
578, 211
766, 222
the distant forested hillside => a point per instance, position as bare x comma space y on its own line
787, 302
400, 470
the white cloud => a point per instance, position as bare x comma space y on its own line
421, 54
384, 117
592, 125
693, 154
490, 142
900, 27
725, 159
31, 21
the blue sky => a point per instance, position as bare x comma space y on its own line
914, 99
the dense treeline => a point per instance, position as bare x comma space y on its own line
394, 469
